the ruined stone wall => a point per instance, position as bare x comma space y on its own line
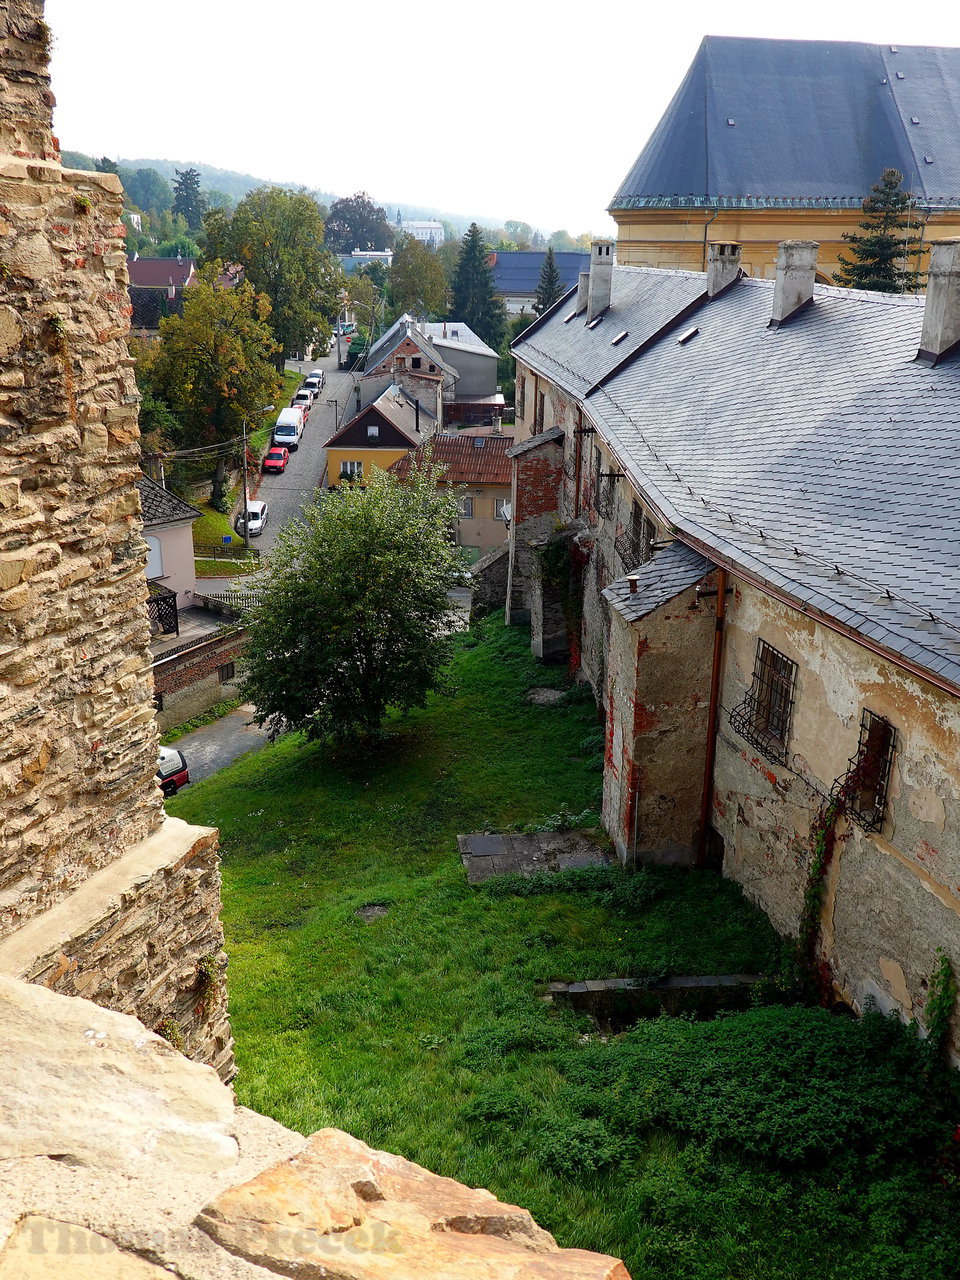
892, 897
78, 734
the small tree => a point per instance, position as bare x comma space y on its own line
355, 615
417, 281
473, 298
549, 288
881, 256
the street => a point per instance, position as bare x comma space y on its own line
286, 494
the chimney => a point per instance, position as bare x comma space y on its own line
941, 309
601, 278
723, 267
416, 410
796, 271
583, 285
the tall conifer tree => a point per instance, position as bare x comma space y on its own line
882, 256
549, 287
473, 298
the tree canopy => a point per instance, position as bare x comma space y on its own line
882, 257
188, 199
417, 280
213, 364
549, 286
354, 617
473, 298
355, 222
277, 237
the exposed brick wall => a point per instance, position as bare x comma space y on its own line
190, 681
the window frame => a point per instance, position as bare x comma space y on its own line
226, 671
764, 716
864, 788
465, 508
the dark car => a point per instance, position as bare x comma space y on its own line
276, 459
173, 772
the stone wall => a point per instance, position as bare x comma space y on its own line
189, 682
77, 747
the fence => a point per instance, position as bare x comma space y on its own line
231, 603
224, 551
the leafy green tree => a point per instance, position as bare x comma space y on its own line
181, 246
277, 237
549, 286
213, 365
473, 298
881, 256
355, 222
106, 165
562, 242
355, 615
521, 233
148, 190
188, 199
417, 280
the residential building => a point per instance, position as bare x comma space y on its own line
363, 258
386, 429
168, 533
476, 461
754, 484
156, 290
516, 274
427, 232
769, 140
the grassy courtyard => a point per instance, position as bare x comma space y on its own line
776, 1144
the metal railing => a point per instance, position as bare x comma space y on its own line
224, 551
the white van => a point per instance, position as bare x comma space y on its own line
289, 427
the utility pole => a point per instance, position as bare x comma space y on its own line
246, 513
336, 407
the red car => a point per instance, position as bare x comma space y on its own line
173, 772
276, 459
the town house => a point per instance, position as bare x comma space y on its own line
733, 513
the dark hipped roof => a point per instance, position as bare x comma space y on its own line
400, 411
160, 506
474, 460
160, 273
757, 123
518, 271
818, 457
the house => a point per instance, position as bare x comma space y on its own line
363, 258
386, 429
733, 513
516, 274
156, 290
475, 396
168, 533
769, 140
477, 461
427, 232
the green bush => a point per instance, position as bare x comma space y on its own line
575, 1147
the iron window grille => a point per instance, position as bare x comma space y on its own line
863, 788
521, 394
763, 717
634, 545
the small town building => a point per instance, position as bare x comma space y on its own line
388, 428
156, 290
428, 232
516, 274
770, 140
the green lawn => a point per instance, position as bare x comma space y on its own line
774, 1144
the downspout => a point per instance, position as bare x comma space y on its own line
578, 462
706, 800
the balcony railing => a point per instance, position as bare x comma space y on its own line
162, 610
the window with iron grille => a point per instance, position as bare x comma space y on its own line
863, 788
763, 717
227, 671
635, 545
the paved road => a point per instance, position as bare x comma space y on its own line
215, 745
286, 494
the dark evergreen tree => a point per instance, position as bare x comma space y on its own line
882, 257
549, 288
106, 165
473, 299
188, 199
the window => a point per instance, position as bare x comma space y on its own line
226, 671
154, 556
635, 544
433, 368
863, 788
373, 434
466, 508
352, 470
401, 362
499, 512
763, 717
415, 362
521, 394
538, 418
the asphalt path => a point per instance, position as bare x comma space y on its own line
287, 493
216, 745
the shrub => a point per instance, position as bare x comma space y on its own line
575, 1147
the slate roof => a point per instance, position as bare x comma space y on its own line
384, 347
818, 457
160, 273
673, 569
545, 437
160, 506
474, 460
458, 336
804, 123
518, 270
400, 410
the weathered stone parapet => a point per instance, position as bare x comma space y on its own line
26, 103
142, 936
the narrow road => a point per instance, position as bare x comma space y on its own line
215, 745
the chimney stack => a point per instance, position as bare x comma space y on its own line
583, 286
941, 309
601, 278
796, 272
723, 267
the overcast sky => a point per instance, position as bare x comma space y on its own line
526, 109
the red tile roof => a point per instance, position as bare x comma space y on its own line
158, 273
466, 459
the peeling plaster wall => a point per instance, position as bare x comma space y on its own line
892, 897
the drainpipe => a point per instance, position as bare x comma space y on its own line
706, 801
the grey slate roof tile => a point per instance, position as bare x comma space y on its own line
673, 569
160, 506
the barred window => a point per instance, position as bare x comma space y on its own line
863, 788
227, 671
763, 717
539, 414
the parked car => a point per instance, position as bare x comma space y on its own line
172, 773
305, 396
256, 518
289, 427
314, 381
276, 459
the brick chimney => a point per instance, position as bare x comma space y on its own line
941, 310
583, 286
723, 267
601, 278
796, 272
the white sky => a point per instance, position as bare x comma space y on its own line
529, 109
